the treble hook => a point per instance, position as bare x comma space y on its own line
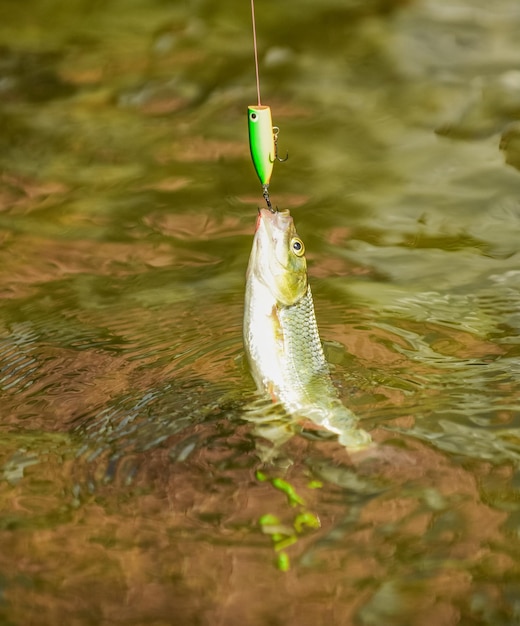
276, 131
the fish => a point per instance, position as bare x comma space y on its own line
281, 336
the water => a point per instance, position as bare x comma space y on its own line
136, 488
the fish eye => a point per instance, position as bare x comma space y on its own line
253, 117
297, 246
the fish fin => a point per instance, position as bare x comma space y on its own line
271, 391
277, 326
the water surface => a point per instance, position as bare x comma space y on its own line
138, 487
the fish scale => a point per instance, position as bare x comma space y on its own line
306, 367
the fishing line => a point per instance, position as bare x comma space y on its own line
255, 48
263, 136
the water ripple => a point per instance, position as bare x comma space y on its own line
17, 361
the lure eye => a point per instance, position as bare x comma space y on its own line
297, 246
253, 117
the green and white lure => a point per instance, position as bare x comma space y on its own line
263, 136
261, 141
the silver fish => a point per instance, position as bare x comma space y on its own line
281, 335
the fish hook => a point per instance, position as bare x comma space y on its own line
276, 131
265, 193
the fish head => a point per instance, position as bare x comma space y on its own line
278, 257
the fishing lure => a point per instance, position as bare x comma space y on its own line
261, 141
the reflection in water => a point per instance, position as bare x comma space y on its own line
142, 479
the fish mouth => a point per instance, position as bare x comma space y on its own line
273, 220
